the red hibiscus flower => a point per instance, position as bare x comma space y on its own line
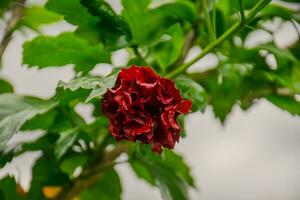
144, 106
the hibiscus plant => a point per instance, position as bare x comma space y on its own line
138, 108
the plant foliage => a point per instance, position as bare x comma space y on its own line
157, 34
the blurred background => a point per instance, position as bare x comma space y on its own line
253, 156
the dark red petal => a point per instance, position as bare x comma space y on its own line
129, 73
184, 106
147, 75
124, 99
145, 128
144, 106
164, 98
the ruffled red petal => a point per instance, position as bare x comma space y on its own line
144, 106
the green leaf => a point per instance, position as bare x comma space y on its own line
178, 10
193, 91
44, 143
228, 86
136, 5
84, 82
48, 173
148, 25
76, 14
108, 17
36, 16
230, 7
89, 87
142, 172
65, 141
178, 165
69, 164
113, 29
145, 26
8, 189
168, 171
15, 111
286, 103
100, 90
62, 50
167, 52
40, 121
171, 187
5, 87
45, 173
108, 187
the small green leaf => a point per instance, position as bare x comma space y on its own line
5, 87
108, 187
62, 50
100, 90
65, 141
15, 111
36, 16
193, 91
90, 87
167, 52
84, 82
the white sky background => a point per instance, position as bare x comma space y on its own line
255, 156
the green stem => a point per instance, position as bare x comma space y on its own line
214, 20
235, 27
91, 175
242, 11
209, 25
